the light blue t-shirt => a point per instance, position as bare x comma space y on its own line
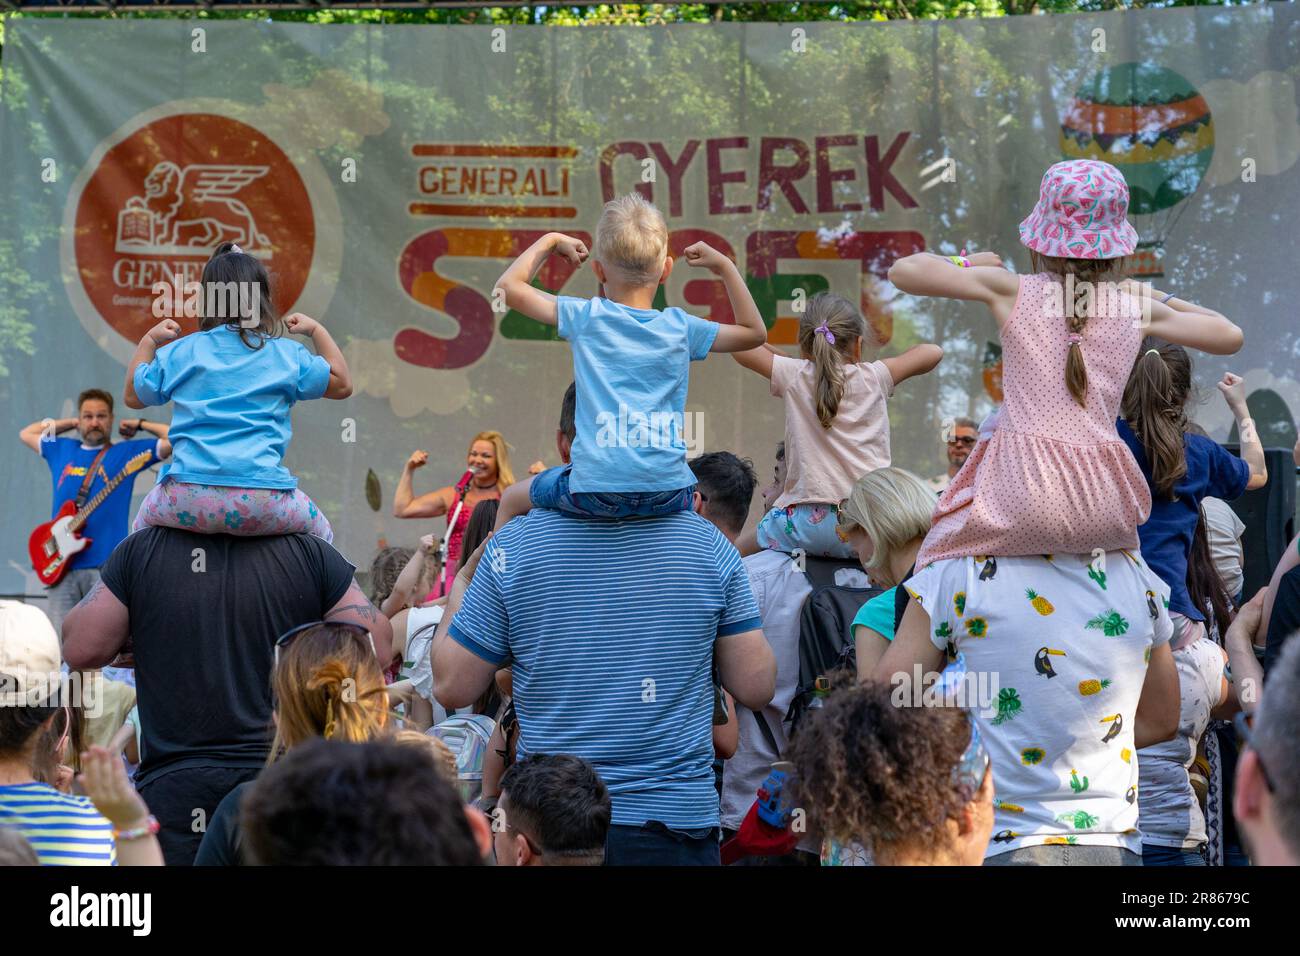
230, 425
631, 367
610, 627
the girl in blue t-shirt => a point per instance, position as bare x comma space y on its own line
1182, 468
233, 384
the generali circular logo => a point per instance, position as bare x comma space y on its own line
159, 195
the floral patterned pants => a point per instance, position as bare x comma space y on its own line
209, 509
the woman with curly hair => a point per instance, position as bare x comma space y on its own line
910, 786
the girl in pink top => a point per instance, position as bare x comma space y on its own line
1055, 477
836, 422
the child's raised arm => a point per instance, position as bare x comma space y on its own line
758, 360
985, 280
340, 385
917, 360
1233, 388
516, 282
749, 332
1188, 324
165, 331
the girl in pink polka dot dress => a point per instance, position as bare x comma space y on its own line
1010, 577
1055, 477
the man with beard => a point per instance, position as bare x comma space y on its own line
70, 461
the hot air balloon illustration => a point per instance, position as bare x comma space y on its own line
1153, 125
992, 373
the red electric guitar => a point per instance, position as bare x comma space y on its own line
54, 543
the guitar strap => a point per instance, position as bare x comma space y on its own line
84, 490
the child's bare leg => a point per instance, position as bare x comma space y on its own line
514, 502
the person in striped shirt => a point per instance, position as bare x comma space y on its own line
611, 627
62, 829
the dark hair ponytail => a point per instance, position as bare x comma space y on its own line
1204, 586
228, 278
1154, 406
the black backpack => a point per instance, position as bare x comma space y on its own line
825, 630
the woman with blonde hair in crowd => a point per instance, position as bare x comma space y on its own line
326, 683
488, 473
885, 518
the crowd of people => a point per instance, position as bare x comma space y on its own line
1043, 656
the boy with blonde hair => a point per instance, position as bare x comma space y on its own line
631, 364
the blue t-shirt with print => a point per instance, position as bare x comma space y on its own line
609, 627
1166, 538
69, 460
230, 425
632, 368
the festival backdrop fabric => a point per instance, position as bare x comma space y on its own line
386, 174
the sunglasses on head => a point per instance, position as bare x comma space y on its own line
844, 525
289, 636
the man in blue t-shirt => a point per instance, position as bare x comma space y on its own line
69, 460
610, 628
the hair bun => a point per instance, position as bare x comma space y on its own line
329, 677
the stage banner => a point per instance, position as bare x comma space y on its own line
386, 174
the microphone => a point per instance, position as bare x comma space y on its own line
462, 486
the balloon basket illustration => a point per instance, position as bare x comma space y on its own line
992, 371
1154, 126
1147, 260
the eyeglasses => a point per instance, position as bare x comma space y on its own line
1244, 724
963, 440
844, 522
285, 639
511, 828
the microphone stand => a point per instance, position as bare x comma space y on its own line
442, 545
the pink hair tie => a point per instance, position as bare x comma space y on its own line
830, 336
1074, 338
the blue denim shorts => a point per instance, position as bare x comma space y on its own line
550, 489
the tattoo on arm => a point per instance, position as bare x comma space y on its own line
93, 593
366, 611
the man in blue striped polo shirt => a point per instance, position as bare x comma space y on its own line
610, 628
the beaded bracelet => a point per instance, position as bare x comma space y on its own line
149, 828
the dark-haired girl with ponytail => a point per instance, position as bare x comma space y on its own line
233, 384
1182, 468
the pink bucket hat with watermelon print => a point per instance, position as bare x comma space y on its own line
1081, 213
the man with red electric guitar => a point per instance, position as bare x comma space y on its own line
92, 494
